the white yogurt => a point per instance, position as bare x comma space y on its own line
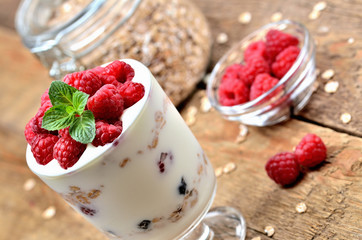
153, 182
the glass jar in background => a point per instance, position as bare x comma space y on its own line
171, 37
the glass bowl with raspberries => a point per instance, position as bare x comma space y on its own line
266, 77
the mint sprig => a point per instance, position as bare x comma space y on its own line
68, 111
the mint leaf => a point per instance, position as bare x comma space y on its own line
79, 101
68, 102
61, 93
57, 118
83, 129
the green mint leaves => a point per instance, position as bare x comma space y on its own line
68, 110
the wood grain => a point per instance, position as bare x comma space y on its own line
332, 192
340, 21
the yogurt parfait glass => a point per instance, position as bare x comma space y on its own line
274, 106
153, 182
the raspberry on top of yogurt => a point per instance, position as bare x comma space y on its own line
85, 108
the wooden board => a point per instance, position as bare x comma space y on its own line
332, 192
339, 22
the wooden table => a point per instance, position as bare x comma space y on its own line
332, 193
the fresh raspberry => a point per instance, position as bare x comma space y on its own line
45, 97
284, 61
28, 132
42, 147
85, 81
255, 65
68, 151
233, 92
106, 103
232, 72
283, 168
255, 48
277, 41
131, 93
97, 70
36, 124
106, 133
64, 133
121, 70
311, 151
109, 79
263, 83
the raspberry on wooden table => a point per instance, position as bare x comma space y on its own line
283, 168
106, 103
263, 83
106, 132
42, 147
120, 70
131, 93
277, 41
284, 61
85, 81
310, 151
68, 151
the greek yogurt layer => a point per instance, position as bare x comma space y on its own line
153, 182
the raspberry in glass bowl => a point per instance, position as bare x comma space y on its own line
266, 77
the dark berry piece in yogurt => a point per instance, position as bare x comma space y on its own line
88, 211
162, 162
182, 188
145, 224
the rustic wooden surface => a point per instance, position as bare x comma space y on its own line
332, 193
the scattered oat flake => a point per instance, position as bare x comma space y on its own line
314, 15
29, 184
218, 171
301, 207
222, 38
256, 238
350, 40
229, 167
269, 231
331, 86
317, 72
276, 17
49, 212
323, 29
346, 117
244, 18
191, 115
243, 132
206, 77
205, 105
315, 86
320, 6
328, 74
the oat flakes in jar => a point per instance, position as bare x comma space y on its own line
171, 37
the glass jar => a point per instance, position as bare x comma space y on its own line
171, 37
286, 98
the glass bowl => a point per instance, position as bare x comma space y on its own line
274, 106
